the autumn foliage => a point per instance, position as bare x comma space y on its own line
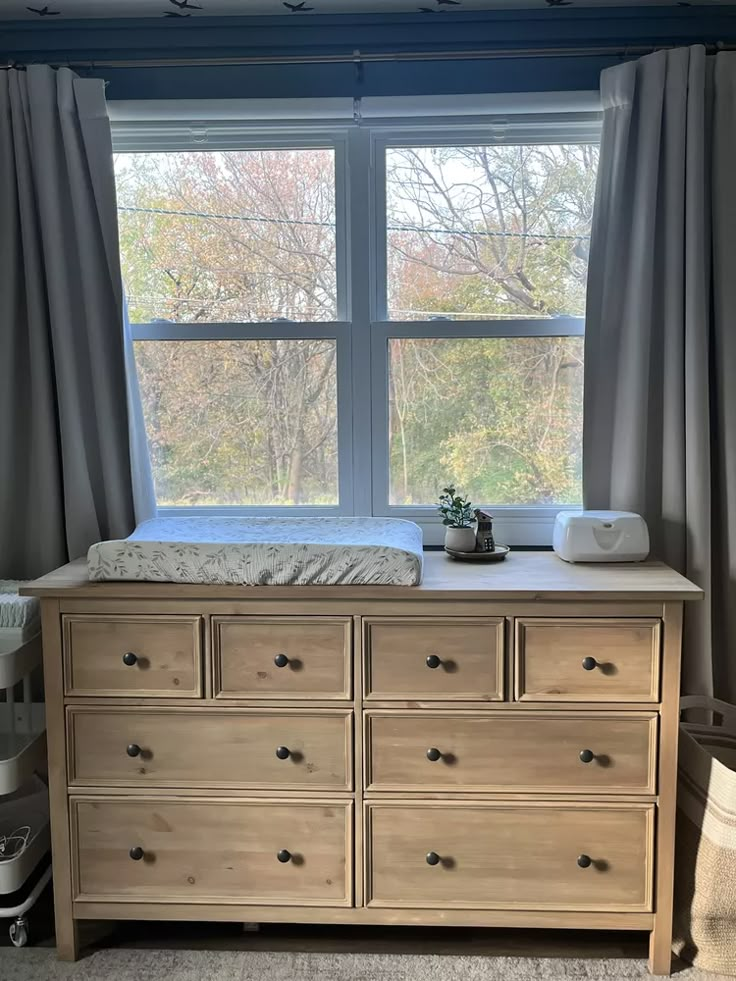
496, 234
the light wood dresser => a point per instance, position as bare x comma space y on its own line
496, 747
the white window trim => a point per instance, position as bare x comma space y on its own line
361, 333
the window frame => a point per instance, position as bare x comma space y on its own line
361, 331
529, 525
160, 138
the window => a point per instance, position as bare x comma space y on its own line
502, 415
241, 423
234, 282
232, 236
344, 321
488, 232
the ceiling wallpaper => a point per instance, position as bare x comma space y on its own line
55, 10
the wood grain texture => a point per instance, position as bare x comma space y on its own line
311, 703
194, 851
660, 946
207, 657
480, 796
359, 844
510, 856
319, 652
363, 605
210, 749
373, 916
510, 658
67, 936
208, 704
550, 653
509, 803
523, 575
507, 752
470, 652
168, 650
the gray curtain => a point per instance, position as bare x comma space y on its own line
660, 357
73, 466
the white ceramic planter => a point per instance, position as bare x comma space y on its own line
460, 539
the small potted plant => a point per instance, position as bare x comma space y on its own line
458, 517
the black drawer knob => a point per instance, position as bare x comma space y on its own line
133, 750
433, 661
585, 861
433, 858
589, 663
587, 755
284, 855
136, 853
433, 755
281, 660
129, 659
283, 753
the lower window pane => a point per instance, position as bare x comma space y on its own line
241, 422
499, 417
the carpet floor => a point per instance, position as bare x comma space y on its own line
126, 964
137, 951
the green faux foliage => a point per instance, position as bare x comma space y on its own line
456, 511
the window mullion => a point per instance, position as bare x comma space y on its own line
362, 274
342, 208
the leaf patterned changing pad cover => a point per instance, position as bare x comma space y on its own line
264, 551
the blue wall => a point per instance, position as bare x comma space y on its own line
199, 37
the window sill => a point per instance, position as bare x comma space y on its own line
526, 527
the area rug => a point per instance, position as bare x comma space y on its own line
31, 964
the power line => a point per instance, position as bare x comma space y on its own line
247, 218
331, 224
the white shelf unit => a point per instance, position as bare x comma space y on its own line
23, 794
17, 660
31, 808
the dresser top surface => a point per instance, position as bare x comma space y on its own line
523, 575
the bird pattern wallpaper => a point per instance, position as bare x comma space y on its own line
55, 10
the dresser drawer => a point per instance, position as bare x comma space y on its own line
282, 657
595, 660
211, 748
434, 658
572, 753
197, 851
505, 856
133, 655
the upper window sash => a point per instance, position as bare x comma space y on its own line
583, 128
157, 135
152, 138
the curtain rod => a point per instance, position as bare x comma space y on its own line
360, 58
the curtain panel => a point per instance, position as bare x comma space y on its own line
660, 349
74, 461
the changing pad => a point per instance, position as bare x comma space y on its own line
265, 551
20, 616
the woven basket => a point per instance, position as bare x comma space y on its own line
705, 867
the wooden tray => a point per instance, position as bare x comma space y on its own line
498, 556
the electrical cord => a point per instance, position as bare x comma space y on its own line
15, 843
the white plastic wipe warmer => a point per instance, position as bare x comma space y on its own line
600, 536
